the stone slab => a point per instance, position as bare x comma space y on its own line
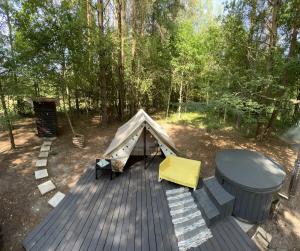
244, 225
46, 187
43, 155
56, 199
41, 163
50, 138
40, 174
47, 143
45, 148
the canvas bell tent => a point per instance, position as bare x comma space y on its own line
140, 136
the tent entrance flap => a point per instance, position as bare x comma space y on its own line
140, 136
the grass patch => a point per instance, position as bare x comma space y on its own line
196, 119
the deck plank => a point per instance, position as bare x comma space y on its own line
242, 234
75, 198
58, 230
75, 229
98, 221
138, 216
150, 216
115, 228
112, 214
131, 225
125, 226
128, 213
161, 244
166, 219
144, 214
33, 235
116, 238
78, 240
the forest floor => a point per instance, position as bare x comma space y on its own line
22, 207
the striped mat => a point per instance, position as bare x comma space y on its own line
190, 228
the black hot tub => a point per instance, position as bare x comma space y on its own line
252, 178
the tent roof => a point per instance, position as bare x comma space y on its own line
132, 125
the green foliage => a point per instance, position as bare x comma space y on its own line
184, 56
12, 117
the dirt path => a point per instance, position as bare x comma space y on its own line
22, 207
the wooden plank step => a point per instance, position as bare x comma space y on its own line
223, 200
209, 211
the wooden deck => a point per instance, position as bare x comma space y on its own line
128, 213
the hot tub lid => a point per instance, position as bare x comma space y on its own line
250, 169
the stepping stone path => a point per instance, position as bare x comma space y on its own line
41, 163
43, 155
40, 174
47, 143
56, 199
46, 187
45, 148
43, 173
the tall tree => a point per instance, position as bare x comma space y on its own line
290, 57
102, 57
9, 68
121, 58
133, 56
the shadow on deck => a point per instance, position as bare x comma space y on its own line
128, 213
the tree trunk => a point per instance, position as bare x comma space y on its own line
10, 36
296, 108
270, 64
238, 121
186, 97
291, 55
88, 20
251, 30
180, 98
121, 91
77, 100
225, 115
69, 99
133, 55
102, 75
273, 35
8, 122
169, 100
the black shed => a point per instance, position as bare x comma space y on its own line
46, 118
252, 178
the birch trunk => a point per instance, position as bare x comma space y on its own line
180, 98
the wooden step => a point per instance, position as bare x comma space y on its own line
223, 200
208, 210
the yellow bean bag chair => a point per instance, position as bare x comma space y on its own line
185, 172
